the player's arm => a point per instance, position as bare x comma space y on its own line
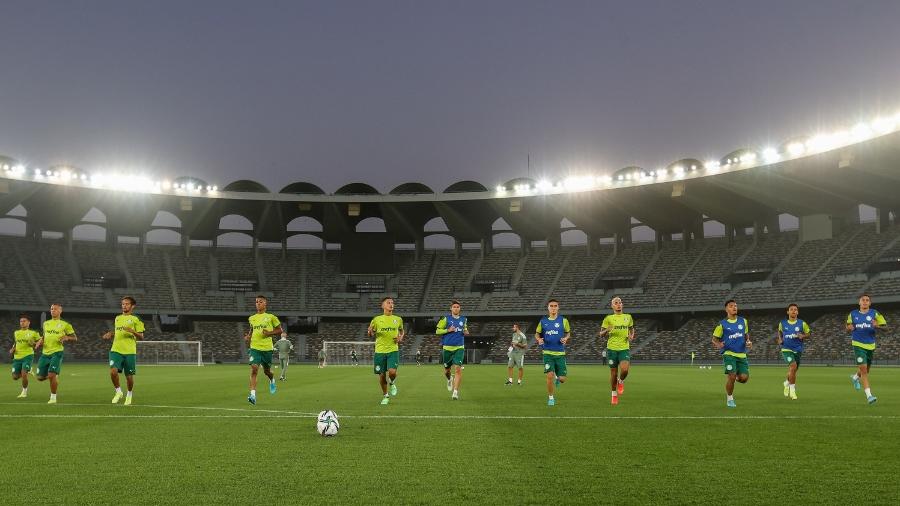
401, 333
779, 337
567, 329
69, 337
631, 333
441, 328
717, 337
806, 331
747, 341
466, 328
522, 345
880, 323
274, 332
604, 328
371, 330
849, 323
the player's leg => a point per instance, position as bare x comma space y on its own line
509, 371
562, 373
393, 362
742, 378
613, 378
520, 362
624, 365
867, 366
729, 384
54, 383
254, 370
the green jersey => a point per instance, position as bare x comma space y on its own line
25, 340
518, 338
386, 329
54, 331
322, 354
619, 326
260, 323
124, 342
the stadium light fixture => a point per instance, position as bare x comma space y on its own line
770, 155
861, 132
711, 165
544, 185
678, 170
796, 148
749, 157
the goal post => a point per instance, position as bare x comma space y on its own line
170, 352
339, 352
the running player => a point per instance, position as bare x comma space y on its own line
619, 327
23, 352
792, 333
123, 355
552, 334
263, 326
387, 328
56, 332
453, 327
862, 325
732, 338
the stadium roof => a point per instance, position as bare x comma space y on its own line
818, 176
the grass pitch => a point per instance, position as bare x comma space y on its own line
192, 438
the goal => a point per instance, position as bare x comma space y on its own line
339, 352
170, 352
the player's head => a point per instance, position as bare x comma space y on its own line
55, 310
24, 321
552, 307
616, 304
515, 327
864, 302
455, 307
387, 305
731, 308
261, 303
792, 311
128, 304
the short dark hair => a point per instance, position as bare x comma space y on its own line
130, 299
455, 302
263, 297
865, 295
386, 298
793, 305
729, 301
23, 315
552, 300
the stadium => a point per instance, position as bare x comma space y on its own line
765, 227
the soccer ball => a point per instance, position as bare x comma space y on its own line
327, 423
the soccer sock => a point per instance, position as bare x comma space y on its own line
128, 394
615, 393
391, 381
856, 376
252, 393
25, 390
455, 392
509, 380
53, 396
792, 387
118, 390
520, 381
730, 397
868, 392
786, 383
551, 397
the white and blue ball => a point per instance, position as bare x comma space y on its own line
327, 423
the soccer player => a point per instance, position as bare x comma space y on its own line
418, 358
388, 331
732, 338
263, 326
56, 332
552, 334
321, 358
792, 333
353, 357
285, 347
619, 327
123, 355
453, 328
23, 352
862, 325
516, 354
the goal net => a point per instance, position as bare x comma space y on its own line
341, 352
170, 352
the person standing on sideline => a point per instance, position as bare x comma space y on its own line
321, 358
284, 347
516, 355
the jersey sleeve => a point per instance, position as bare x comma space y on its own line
605, 324
746, 326
880, 319
806, 329
538, 329
781, 329
717, 332
69, 330
441, 326
275, 322
139, 325
566, 325
630, 321
374, 324
849, 318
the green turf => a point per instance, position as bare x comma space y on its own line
191, 437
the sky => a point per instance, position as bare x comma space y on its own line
437, 92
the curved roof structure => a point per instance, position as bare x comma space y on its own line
746, 187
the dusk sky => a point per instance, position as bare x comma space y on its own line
437, 92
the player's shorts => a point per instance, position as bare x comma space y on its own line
791, 357
120, 362
863, 356
455, 357
555, 364
385, 361
516, 360
22, 364
613, 357
260, 357
50, 363
736, 365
